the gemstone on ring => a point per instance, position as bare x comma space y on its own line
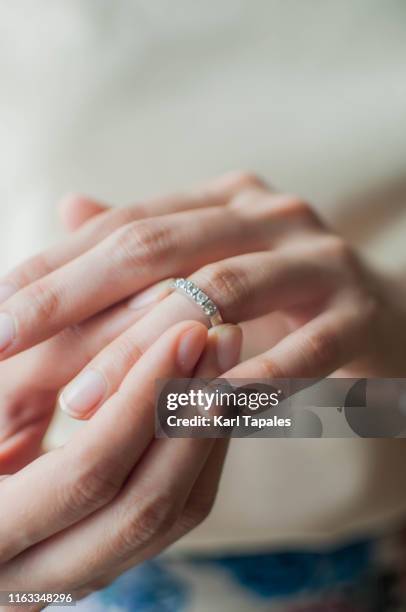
199, 297
210, 308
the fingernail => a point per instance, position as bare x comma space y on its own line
6, 291
228, 347
190, 347
149, 296
7, 330
83, 394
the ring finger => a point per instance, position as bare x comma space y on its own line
242, 287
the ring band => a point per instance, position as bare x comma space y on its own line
191, 290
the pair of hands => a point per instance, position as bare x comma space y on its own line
67, 315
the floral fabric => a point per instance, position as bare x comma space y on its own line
363, 576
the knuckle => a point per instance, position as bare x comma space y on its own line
321, 348
142, 242
74, 338
90, 486
44, 299
126, 351
266, 367
225, 285
152, 516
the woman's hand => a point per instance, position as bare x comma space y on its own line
252, 251
113, 486
255, 253
32, 379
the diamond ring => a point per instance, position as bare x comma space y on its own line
200, 298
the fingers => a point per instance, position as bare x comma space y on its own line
242, 287
222, 351
72, 482
22, 431
251, 285
318, 348
147, 507
83, 396
30, 381
169, 492
196, 509
198, 505
213, 193
131, 259
138, 254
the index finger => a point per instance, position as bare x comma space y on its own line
212, 193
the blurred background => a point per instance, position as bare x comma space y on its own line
126, 99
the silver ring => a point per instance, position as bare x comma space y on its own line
191, 290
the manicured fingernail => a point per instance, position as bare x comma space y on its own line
6, 291
7, 330
191, 345
83, 394
228, 347
149, 296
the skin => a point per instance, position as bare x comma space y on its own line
30, 382
149, 491
261, 256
